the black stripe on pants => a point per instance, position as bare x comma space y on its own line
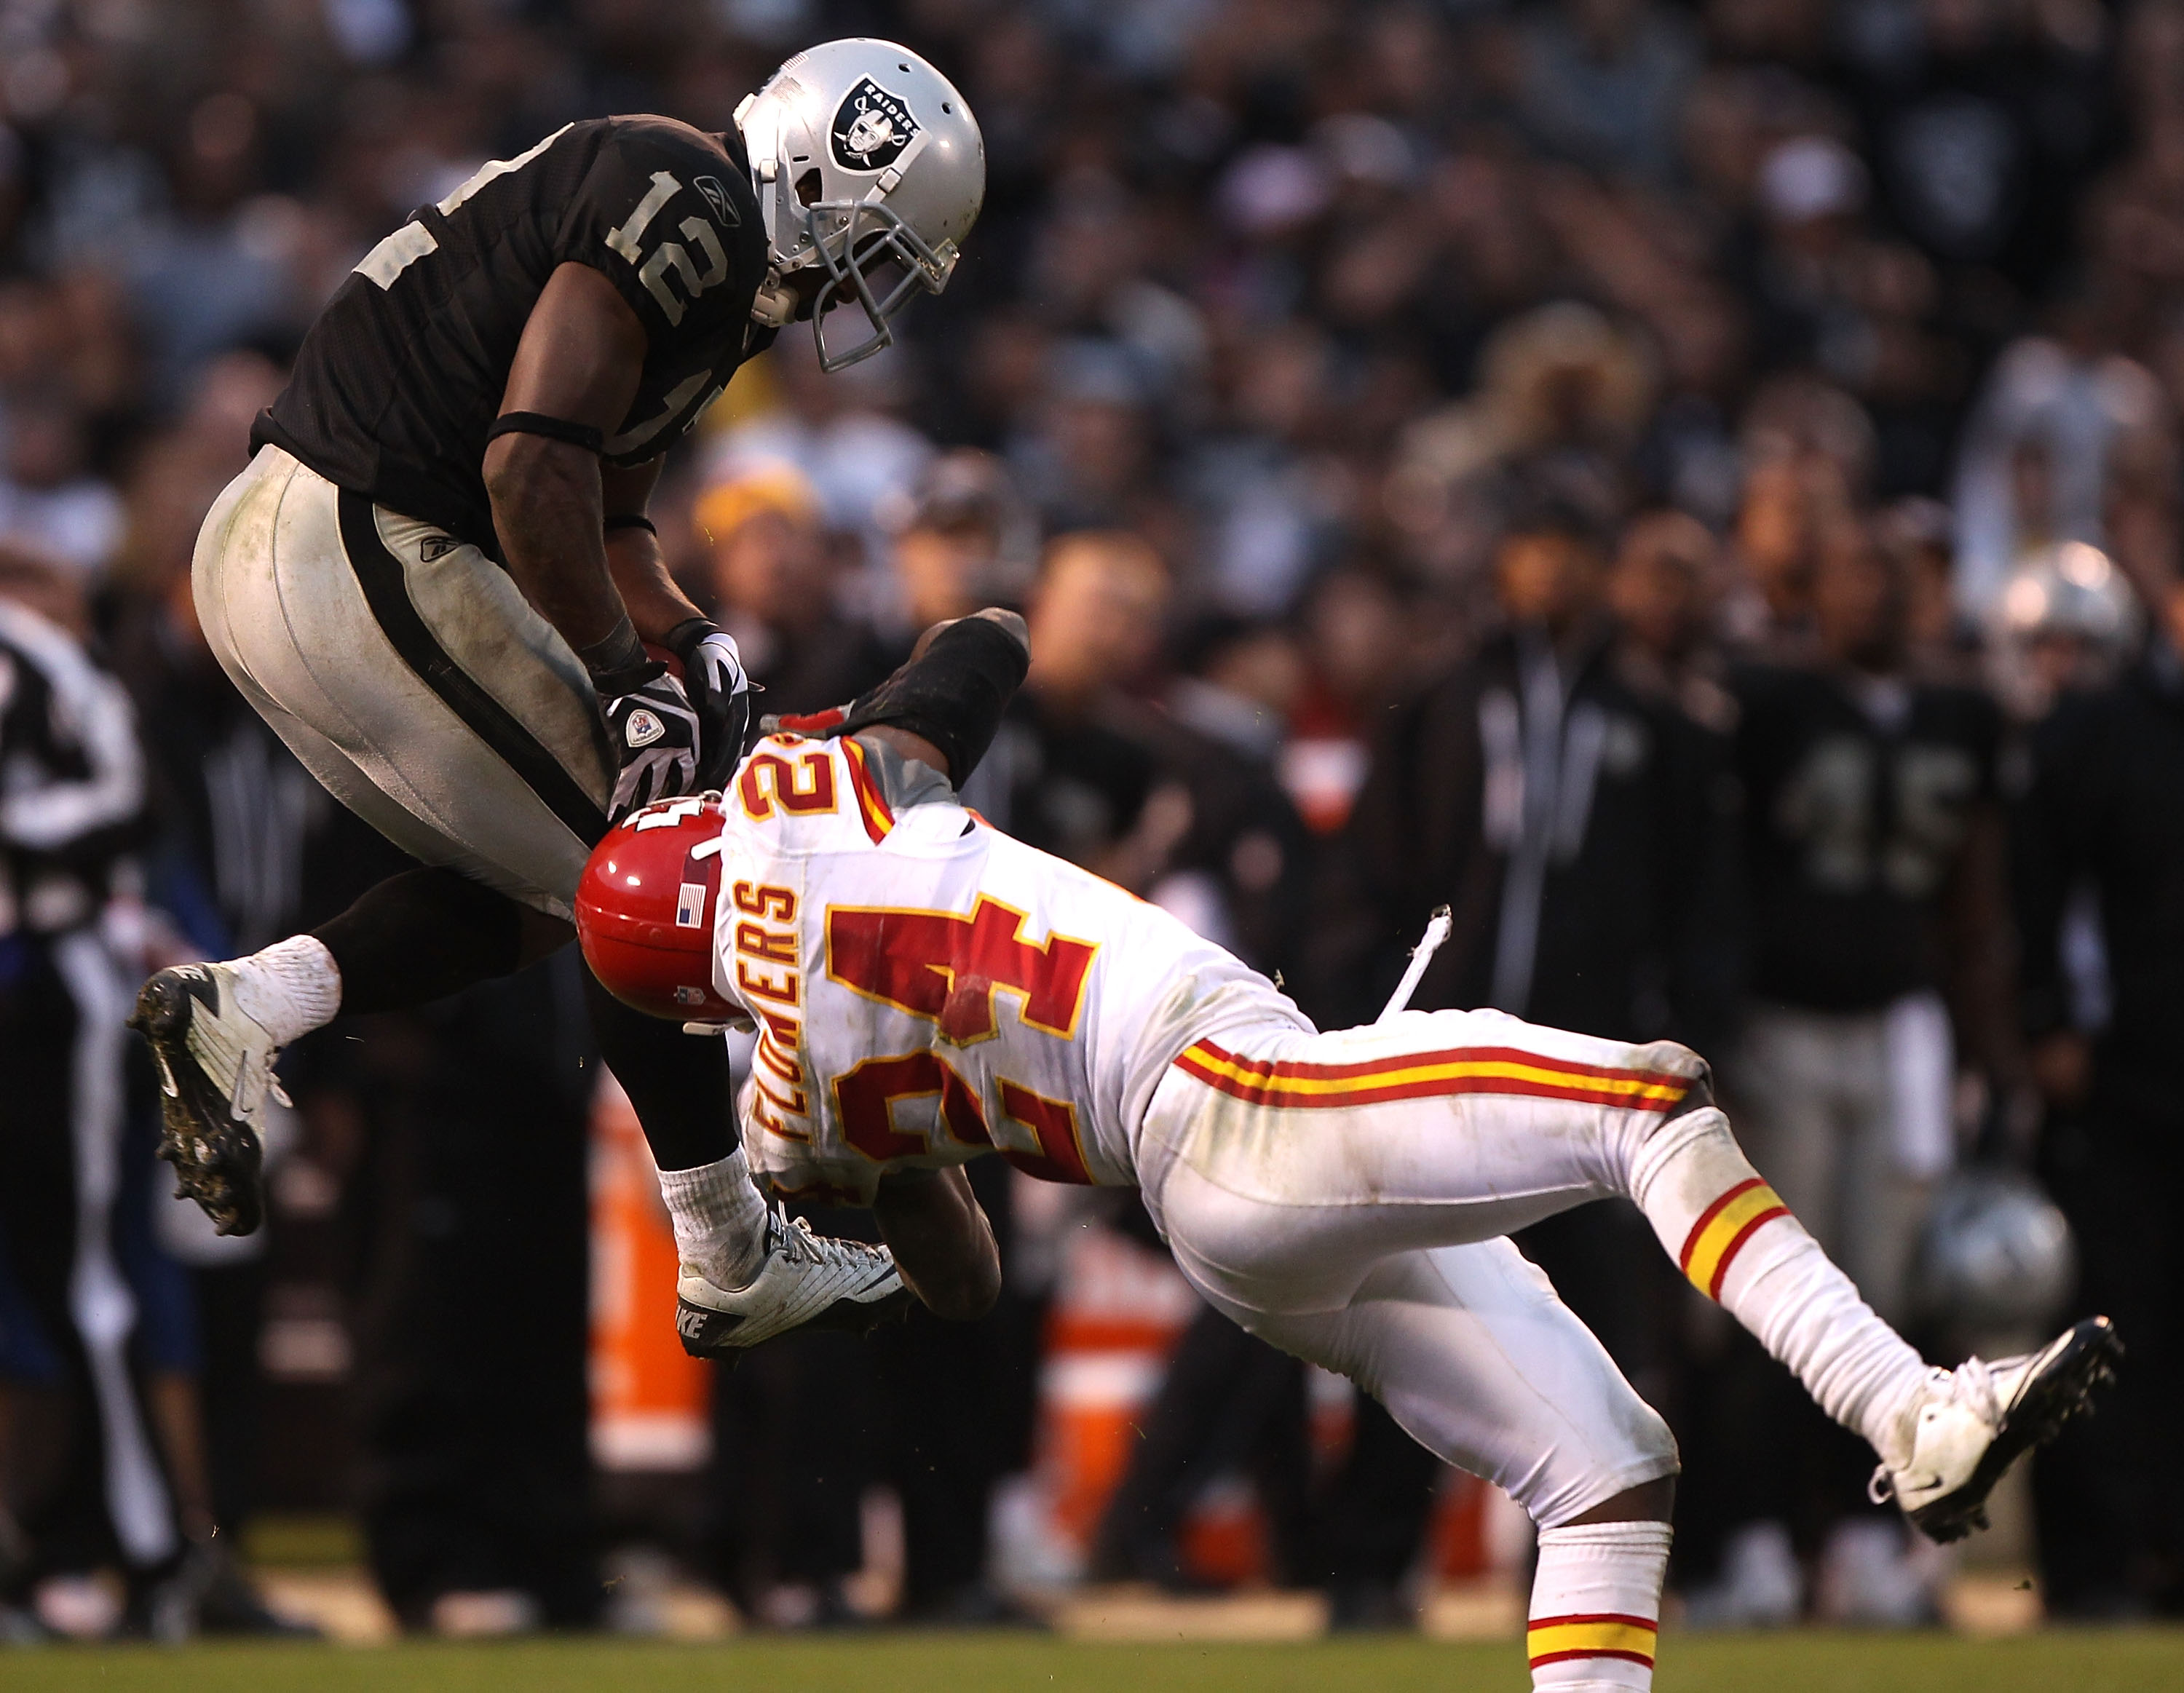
380, 574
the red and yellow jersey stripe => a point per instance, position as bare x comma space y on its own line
872, 810
1723, 1228
1607, 1634
1428, 1075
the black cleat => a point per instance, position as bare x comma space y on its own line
215, 1074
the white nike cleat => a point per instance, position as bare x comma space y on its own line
215, 1075
1974, 1421
807, 1281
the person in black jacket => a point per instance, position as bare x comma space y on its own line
1872, 860
1571, 819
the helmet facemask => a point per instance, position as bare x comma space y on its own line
868, 241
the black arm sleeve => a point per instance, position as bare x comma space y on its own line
953, 693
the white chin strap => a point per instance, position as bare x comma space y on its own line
774, 306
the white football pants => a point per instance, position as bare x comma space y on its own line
409, 675
1344, 1196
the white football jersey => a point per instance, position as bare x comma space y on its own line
928, 989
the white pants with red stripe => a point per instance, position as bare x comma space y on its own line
1344, 1196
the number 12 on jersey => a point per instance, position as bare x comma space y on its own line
670, 255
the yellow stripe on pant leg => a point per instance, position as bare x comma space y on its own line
1402, 1070
1709, 1255
1618, 1637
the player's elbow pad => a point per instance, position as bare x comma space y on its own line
953, 693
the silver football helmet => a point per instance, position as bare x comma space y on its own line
2070, 588
1996, 1255
2066, 618
869, 165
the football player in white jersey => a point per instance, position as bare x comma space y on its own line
926, 990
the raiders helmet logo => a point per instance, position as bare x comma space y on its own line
716, 199
871, 128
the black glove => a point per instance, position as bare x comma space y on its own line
655, 736
719, 691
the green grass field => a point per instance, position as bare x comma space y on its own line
2060, 1662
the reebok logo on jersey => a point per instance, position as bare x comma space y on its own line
871, 128
716, 199
642, 728
434, 548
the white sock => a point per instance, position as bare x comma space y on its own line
1738, 1245
1596, 1605
719, 1220
290, 989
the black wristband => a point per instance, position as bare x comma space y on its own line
682, 640
630, 520
616, 661
581, 435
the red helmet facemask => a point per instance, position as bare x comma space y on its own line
645, 910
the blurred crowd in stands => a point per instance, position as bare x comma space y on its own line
1693, 488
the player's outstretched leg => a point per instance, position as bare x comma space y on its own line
1475, 1355
1944, 1436
216, 1029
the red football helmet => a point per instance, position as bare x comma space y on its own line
645, 910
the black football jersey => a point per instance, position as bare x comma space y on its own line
1853, 827
400, 377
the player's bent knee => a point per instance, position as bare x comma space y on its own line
1628, 1472
1650, 1501
1697, 1096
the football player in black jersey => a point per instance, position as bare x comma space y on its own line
437, 581
1873, 866
1873, 878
